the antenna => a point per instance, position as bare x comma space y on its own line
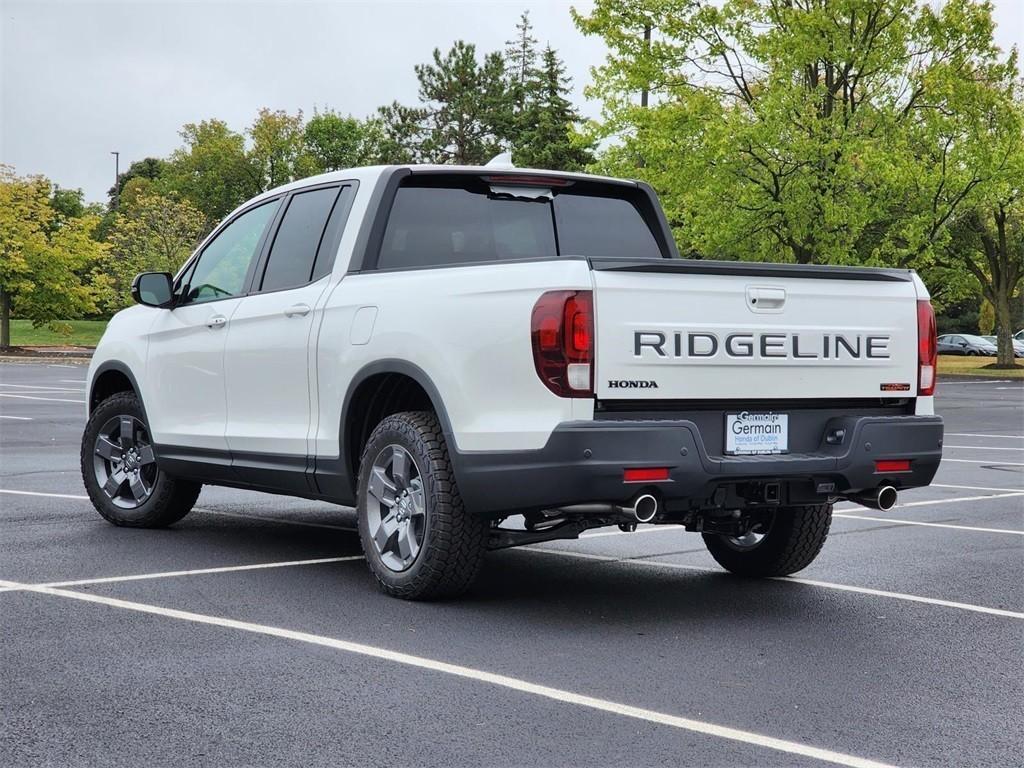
502, 160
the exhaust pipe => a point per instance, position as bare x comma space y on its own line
882, 498
645, 508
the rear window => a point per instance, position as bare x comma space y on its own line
463, 220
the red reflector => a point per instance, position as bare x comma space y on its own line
645, 474
893, 465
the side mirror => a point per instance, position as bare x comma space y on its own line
154, 289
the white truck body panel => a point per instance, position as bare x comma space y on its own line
734, 337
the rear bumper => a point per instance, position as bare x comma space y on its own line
583, 462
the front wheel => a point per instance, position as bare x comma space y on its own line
419, 540
120, 470
788, 542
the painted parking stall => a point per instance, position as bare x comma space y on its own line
255, 617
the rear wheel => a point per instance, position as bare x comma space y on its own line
120, 470
786, 543
419, 540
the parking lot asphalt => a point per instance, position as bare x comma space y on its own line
251, 633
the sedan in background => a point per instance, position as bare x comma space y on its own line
1018, 346
965, 344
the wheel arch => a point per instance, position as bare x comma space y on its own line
112, 377
377, 390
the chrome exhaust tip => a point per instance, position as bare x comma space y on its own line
645, 508
882, 498
886, 498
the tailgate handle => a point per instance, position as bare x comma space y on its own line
762, 299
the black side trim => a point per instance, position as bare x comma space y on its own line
267, 472
751, 269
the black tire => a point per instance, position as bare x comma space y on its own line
794, 538
453, 541
169, 499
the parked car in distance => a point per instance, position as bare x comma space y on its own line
1019, 335
1018, 346
965, 344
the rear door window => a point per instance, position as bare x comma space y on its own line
293, 254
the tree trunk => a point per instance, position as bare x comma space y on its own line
1004, 328
5, 320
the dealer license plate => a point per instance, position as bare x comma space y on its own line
750, 433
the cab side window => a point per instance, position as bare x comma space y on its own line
222, 267
294, 251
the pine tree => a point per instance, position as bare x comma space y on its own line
547, 137
466, 105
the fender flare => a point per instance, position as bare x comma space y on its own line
119, 367
405, 368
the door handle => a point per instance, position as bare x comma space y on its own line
297, 310
216, 321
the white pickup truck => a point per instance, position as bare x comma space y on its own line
483, 357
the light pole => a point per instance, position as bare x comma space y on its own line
117, 175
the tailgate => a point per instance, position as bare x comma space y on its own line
667, 332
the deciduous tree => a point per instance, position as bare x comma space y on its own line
151, 233
44, 255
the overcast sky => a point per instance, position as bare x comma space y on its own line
80, 79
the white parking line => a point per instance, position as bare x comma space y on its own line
932, 502
477, 675
58, 365
204, 510
194, 572
32, 397
973, 434
975, 487
996, 462
659, 529
985, 447
843, 512
16, 418
72, 381
38, 493
928, 525
42, 387
789, 580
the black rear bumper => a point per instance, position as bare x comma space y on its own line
583, 462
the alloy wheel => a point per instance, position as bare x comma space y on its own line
124, 462
396, 508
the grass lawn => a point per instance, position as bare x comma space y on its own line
84, 333
977, 366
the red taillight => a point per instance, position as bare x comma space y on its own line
892, 465
927, 348
562, 333
645, 474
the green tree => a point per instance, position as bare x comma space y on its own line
546, 133
213, 170
151, 168
43, 255
466, 105
151, 233
278, 150
521, 78
395, 135
819, 131
335, 142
